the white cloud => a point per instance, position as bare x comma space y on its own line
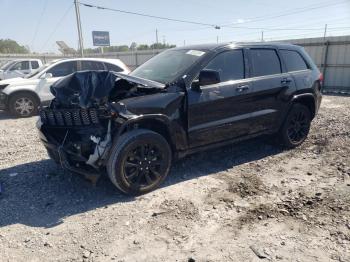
241, 21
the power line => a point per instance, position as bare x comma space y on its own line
289, 12
200, 23
57, 25
38, 23
150, 16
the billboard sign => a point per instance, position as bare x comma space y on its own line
100, 38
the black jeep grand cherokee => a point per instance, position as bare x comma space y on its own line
181, 101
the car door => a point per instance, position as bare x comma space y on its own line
220, 111
271, 86
297, 67
57, 71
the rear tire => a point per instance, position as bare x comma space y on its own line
296, 126
23, 104
139, 161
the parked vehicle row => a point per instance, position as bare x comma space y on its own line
22, 96
19, 68
181, 101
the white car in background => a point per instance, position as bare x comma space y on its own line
22, 96
19, 68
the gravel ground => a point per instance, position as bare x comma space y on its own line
248, 202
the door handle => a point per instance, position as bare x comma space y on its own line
286, 81
242, 88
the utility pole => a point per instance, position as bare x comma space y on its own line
217, 39
156, 36
325, 32
80, 35
262, 36
184, 42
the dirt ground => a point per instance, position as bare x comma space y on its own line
248, 202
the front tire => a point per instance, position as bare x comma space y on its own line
23, 104
296, 127
139, 161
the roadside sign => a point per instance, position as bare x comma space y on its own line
100, 38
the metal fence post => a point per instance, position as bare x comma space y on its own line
324, 64
136, 60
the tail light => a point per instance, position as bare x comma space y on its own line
320, 78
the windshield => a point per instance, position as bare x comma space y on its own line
168, 65
7, 65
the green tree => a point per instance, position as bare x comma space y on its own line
8, 46
143, 47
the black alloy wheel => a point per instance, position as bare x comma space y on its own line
143, 165
296, 126
139, 161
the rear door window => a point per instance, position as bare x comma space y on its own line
293, 60
92, 65
63, 69
230, 65
265, 62
35, 64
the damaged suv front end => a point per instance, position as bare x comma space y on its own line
92, 109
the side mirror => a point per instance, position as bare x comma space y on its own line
208, 77
46, 76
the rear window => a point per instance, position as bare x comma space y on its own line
35, 64
111, 67
293, 60
265, 62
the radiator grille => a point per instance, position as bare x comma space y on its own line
69, 117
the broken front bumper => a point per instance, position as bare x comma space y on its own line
70, 146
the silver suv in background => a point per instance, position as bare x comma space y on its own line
19, 68
22, 96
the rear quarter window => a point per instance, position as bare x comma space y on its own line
91, 65
265, 62
35, 64
111, 67
293, 60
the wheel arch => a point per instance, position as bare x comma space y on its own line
157, 123
26, 91
307, 100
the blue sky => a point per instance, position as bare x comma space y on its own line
39, 23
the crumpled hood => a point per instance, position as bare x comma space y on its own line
19, 81
87, 88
